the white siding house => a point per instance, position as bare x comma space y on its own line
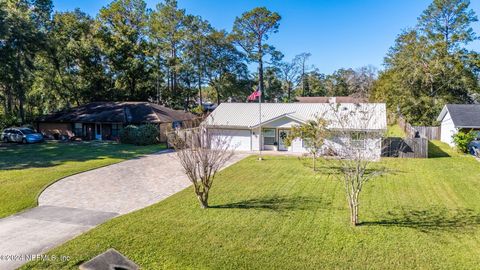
457, 117
247, 131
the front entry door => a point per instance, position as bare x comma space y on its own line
282, 135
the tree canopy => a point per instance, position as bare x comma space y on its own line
127, 52
430, 66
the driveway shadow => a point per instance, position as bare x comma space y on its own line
433, 219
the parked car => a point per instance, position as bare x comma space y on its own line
474, 148
21, 135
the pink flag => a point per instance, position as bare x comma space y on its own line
254, 95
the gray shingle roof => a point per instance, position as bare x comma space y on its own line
118, 112
463, 115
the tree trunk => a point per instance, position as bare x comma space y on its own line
169, 81
9, 100
261, 85
289, 90
354, 213
132, 89
174, 73
203, 199
21, 108
218, 95
303, 79
314, 163
200, 88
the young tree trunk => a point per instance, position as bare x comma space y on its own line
314, 162
203, 199
203, 202
355, 215
353, 203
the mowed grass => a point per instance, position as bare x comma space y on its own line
278, 214
26, 169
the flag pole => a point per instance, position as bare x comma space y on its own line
260, 144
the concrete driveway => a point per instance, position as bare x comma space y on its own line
78, 203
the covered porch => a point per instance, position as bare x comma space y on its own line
97, 131
273, 133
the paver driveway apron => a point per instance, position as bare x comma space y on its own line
78, 203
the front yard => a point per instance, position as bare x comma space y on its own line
278, 214
26, 169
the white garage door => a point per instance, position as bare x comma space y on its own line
239, 139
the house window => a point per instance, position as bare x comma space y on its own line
358, 139
78, 129
98, 129
116, 130
176, 124
268, 136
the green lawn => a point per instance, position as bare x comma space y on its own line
278, 214
26, 169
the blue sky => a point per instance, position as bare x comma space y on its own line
348, 33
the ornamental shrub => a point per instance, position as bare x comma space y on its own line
463, 139
147, 134
140, 135
128, 134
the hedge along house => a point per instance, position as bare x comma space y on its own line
103, 120
458, 117
241, 125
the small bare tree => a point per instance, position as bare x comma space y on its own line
202, 155
357, 147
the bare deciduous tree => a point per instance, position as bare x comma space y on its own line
357, 150
202, 155
289, 72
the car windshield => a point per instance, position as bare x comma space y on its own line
27, 131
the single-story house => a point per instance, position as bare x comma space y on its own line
247, 131
458, 117
103, 120
323, 99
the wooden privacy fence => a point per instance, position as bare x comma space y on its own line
405, 147
431, 133
186, 135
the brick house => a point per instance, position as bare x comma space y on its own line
103, 120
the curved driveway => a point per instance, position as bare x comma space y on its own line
122, 187
80, 202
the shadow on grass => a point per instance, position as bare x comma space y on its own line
433, 219
434, 151
276, 204
333, 169
48, 154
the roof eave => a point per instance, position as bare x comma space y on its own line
443, 113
